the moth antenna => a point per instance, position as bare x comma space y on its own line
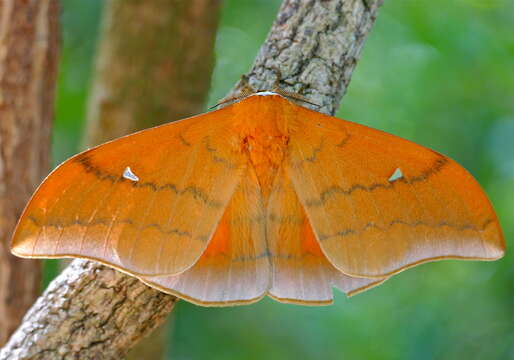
295, 96
289, 94
245, 90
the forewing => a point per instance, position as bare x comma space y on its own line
379, 203
147, 203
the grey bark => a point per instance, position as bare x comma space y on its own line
88, 312
28, 67
315, 45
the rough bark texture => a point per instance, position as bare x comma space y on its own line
314, 44
88, 312
28, 63
154, 65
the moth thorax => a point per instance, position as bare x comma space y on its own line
266, 153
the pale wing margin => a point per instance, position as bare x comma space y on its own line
372, 224
157, 218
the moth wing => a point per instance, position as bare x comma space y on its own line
147, 203
379, 204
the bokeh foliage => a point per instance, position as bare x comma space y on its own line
438, 72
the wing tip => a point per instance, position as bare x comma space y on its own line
20, 247
23, 255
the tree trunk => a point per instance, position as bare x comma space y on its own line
28, 66
154, 66
314, 44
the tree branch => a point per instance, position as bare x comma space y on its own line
88, 312
315, 45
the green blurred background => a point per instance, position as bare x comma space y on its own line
438, 72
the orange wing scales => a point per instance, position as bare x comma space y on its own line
262, 197
235, 268
137, 226
301, 273
370, 226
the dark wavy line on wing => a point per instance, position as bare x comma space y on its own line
458, 227
195, 191
214, 153
336, 189
107, 222
314, 157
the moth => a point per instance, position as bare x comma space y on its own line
261, 197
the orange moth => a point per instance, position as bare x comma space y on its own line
261, 197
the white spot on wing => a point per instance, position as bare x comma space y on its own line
129, 175
397, 174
